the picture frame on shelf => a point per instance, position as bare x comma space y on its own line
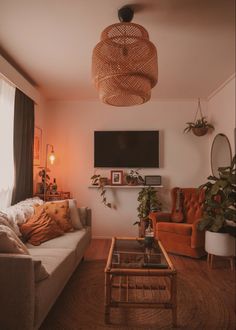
37, 145
116, 178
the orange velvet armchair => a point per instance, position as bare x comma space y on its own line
177, 230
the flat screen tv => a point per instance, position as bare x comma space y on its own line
132, 149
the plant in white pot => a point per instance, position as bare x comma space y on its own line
219, 215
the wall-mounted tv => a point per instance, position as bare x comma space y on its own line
132, 149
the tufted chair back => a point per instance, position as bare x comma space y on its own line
189, 201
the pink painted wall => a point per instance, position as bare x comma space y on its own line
184, 157
221, 108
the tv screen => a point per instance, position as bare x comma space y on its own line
126, 149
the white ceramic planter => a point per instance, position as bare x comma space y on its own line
220, 244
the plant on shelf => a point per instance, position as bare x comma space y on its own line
134, 178
98, 181
219, 213
199, 126
45, 180
148, 202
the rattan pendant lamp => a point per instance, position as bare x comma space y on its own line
124, 63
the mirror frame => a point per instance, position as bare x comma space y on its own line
212, 146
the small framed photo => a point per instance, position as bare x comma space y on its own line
116, 177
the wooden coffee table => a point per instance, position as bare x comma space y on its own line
136, 276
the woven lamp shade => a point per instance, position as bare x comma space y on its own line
124, 65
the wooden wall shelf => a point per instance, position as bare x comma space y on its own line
125, 186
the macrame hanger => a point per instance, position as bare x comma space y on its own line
198, 110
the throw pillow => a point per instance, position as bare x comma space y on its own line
4, 220
74, 215
10, 243
58, 211
40, 228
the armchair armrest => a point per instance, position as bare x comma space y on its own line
198, 237
159, 217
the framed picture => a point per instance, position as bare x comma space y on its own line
37, 145
116, 177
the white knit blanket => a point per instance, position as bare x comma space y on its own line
21, 212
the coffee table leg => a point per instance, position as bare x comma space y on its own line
174, 299
107, 297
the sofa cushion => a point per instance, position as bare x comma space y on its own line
40, 228
177, 228
9, 242
58, 211
60, 264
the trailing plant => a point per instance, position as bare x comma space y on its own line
219, 209
96, 180
148, 201
134, 178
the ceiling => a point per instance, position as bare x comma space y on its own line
51, 43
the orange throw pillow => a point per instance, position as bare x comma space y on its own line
58, 211
40, 228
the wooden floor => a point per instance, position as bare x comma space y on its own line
221, 276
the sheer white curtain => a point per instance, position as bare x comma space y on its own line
7, 98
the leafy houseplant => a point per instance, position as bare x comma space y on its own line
45, 179
134, 178
97, 181
219, 211
199, 126
148, 201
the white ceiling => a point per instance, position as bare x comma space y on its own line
52, 42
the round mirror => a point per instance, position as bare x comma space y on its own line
221, 154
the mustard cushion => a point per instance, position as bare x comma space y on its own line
59, 212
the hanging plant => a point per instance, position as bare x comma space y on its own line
98, 181
200, 126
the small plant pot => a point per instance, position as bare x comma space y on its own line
200, 131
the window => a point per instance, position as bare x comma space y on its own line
7, 98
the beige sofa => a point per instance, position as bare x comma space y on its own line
24, 304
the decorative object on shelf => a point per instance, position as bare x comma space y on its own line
124, 63
199, 126
98, 181
219, 214
152, 180
37, 145
45, 180
51, 156
54, 186
117, 177
133, 178
148, 201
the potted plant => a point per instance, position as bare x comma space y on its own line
45, 179
219, 212
200, 126
97, 180
134, 178
148, 201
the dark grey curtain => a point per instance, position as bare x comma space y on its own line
23, 147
